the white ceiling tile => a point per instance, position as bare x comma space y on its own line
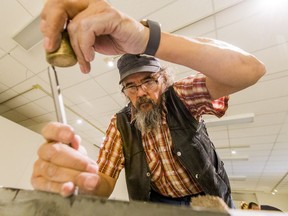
199, 28
72, 115
34, 7
74, 112
119, 98
235, 13
7, 95
3, 108
211, 35
2, 53
45, 117
260, 107
99, 106
37, 127
91, 134
15, 17
189, 10
29, 88
14, 115
220, 4
99, 66
218, 143
274, 58
17, 101
12, 72
28, 58
250, 34
67, 77
84, 126
261, 141
46, 102
262, 120
255, 131
111, 77
92, 151
143, 8
31, 110
27, 123
105, 118
3, 87
283, 136
84, 92
218, 135
97, 120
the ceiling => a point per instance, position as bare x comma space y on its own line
257, 26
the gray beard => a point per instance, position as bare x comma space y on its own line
150, 120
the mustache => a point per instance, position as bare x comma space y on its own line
143, 100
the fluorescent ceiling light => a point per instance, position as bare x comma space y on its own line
30, 35
233, 158
232, 147
229, 120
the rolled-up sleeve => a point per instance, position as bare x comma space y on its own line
193, 92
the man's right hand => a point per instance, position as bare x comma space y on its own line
94, 25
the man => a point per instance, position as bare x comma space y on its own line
253, 206
158, 137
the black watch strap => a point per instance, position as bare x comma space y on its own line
154, 36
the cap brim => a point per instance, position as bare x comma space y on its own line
145, 68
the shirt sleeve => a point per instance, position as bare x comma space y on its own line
194, 94
111, 159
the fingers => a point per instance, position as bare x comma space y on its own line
83, 36
88, 182
59, 132
54, 17
52, 26
64, 157
53, 172
58, 169
64, 188
52, 178
89, 28
83, 63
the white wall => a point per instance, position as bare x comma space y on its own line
18, 151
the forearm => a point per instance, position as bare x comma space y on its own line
225, 65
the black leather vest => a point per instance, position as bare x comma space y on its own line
191, 145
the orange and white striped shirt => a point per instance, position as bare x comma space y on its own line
168, 176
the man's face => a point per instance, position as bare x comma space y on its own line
143, 99
144, 92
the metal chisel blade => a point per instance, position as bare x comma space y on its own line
57, 96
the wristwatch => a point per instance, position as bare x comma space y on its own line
154, 36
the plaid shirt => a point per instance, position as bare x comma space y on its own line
168, 176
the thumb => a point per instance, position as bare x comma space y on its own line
88, 182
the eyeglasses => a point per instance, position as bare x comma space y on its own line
147, 85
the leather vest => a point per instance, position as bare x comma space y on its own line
191, 145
